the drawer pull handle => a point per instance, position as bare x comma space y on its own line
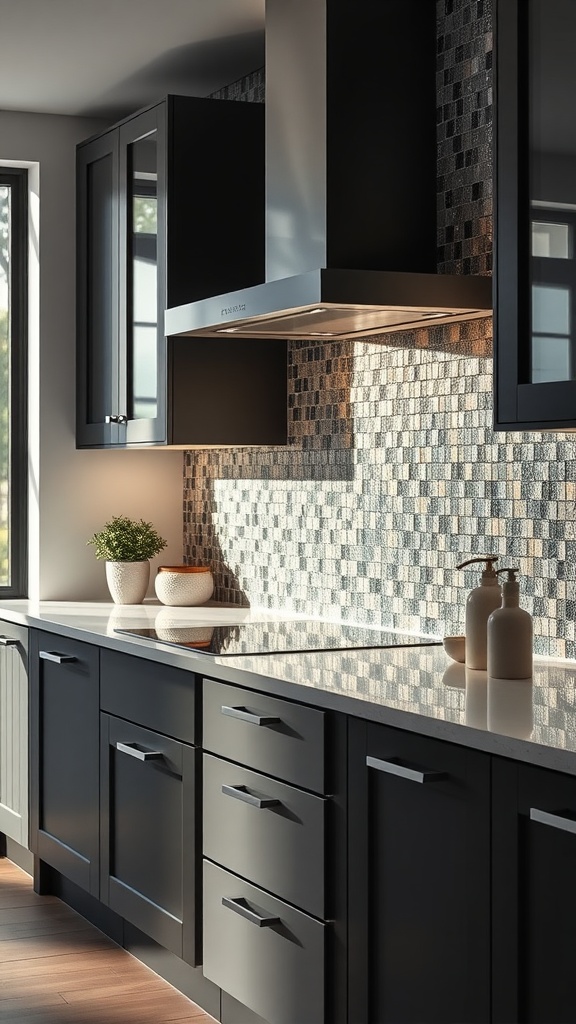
239, 906
395, 768
8, 641
554, 820
248, 716
241, 793
142, 755
60, 659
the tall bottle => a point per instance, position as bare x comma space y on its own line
480, 604
510, 634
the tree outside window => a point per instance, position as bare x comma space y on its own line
13, 318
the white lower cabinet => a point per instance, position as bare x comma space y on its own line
14, 732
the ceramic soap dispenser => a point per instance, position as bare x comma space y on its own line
510, 635
481, 602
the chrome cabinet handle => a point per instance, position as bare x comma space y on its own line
248, 716
8, 641
239, 906
59, 659
142, 755
553, 820
395, 768
121, 419
241, 793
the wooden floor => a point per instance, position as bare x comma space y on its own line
55, 968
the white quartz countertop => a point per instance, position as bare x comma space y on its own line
416, 688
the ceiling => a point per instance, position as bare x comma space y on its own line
108, 58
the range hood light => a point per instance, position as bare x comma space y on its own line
302, 312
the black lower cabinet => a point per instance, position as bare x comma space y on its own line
64, 799
419, 882
148, 784
534, 883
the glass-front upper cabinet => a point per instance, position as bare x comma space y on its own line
97, 275
535, 208
142, 254
170, 209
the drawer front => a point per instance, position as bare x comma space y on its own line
271, 735
156, 696
267, 955
269, 832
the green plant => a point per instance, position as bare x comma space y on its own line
127, 540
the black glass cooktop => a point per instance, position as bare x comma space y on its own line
274, 637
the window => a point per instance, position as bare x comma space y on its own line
13, 374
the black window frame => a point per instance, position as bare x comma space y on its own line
17, 179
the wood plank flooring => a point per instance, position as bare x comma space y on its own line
55, 968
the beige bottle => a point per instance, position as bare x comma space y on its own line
481, 602
510, 635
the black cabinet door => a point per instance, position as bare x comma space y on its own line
121, 292
148, 834
64, 803
97, 282
419, 885
535, 215
142, 294
534, 936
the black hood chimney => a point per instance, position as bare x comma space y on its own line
350, 181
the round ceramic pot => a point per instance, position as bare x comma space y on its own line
184, 585
127, 581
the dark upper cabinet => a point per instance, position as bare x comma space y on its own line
170, 209
535, 215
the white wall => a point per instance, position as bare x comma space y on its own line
72, 492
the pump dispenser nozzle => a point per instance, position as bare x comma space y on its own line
511, 574
489, 573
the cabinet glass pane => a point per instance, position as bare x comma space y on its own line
552, 241
101, 314
143, 322
550, 309
552, 175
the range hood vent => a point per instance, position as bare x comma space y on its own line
350, 182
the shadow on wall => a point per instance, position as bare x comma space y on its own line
202, 547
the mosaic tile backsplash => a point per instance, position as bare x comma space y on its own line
393, 473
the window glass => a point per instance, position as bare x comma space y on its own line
13, 442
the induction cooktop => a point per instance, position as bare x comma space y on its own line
274, 637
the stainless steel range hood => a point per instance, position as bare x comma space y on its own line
351, 181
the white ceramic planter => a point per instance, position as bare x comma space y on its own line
184, 585
128, 581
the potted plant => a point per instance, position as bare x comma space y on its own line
127, 545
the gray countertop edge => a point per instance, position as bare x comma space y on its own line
523, 750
